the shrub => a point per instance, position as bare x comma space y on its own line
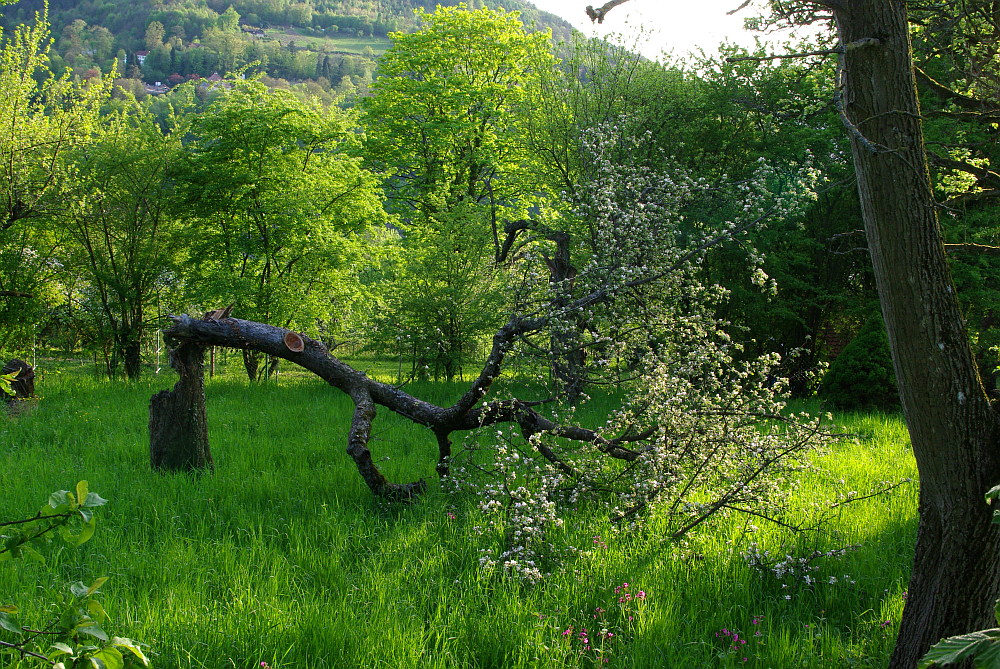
861, 377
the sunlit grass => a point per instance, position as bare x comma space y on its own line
282, 555
334, 42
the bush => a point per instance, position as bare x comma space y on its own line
862, 377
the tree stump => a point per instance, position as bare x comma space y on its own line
23, 384
178, 423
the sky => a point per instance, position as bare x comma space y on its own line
679, 26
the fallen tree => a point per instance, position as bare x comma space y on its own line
466, 414
691, 427
695, 440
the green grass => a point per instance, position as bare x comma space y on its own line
282, 555
332, 43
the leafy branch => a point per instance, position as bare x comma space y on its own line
74, 637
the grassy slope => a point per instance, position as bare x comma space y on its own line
332, 44
281, 555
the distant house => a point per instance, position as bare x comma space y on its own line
215, 81
156, 88
253, 32
140, 57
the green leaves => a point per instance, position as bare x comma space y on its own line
280, 204
63, 517
6, 380
132, 647
992, 495
447, 113
93, 657
7, 621
982, 647
447, 128
81, 591
68, 517
108, 657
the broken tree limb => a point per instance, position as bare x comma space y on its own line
357, 448
468, 413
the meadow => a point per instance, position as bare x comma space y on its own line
333, 43
281, 555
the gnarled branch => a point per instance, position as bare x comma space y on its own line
602, 11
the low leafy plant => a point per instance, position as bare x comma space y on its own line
6, 381
861, 377
73, 637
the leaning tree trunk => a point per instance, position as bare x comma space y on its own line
953, 429
178, 426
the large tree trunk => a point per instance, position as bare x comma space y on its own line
132, 354
953, 428
178, 426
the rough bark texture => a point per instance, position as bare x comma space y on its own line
953, 428
178, 425
132, 354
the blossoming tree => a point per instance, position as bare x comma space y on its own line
695, 431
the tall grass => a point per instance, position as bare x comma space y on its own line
281, 555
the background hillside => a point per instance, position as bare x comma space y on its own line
331, 42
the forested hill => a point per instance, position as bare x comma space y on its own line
155, 41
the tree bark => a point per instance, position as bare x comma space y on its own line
953, 428
178, 424
132, 355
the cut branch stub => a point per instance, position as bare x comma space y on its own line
294, 342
